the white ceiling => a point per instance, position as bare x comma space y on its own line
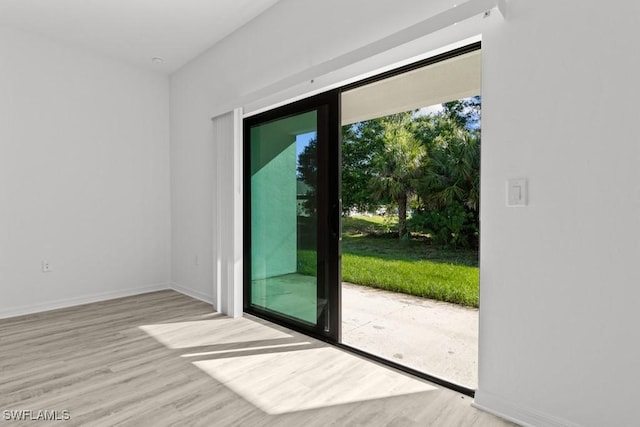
135, 30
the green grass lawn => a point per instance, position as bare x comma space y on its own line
373, 256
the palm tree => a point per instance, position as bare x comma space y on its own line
399, 166
454, 173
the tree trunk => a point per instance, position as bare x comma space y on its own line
402, 215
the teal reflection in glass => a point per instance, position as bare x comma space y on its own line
283, 216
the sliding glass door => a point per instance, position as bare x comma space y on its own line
401, 129
292, 272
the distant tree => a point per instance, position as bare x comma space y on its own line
399, 166
360, 144
307, 172
430, 162
454, 172
464, 113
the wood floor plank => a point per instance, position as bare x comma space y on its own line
165, 359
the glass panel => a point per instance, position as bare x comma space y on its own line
410, 192
283, 216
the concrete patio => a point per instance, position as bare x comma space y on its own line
437, 338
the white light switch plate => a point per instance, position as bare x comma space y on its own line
517, 192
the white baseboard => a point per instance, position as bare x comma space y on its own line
86, 299
191, 293
518, 414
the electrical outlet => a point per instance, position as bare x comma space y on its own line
46, 266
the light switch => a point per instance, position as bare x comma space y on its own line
517, 192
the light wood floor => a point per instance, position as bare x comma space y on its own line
165, 359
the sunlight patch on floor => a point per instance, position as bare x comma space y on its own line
221, 330
299, 380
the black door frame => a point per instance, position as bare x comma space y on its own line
329, 278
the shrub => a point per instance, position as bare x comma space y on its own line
453, 226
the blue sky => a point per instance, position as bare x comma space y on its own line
302, 141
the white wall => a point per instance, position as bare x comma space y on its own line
559, 278
84, 176
559, 289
